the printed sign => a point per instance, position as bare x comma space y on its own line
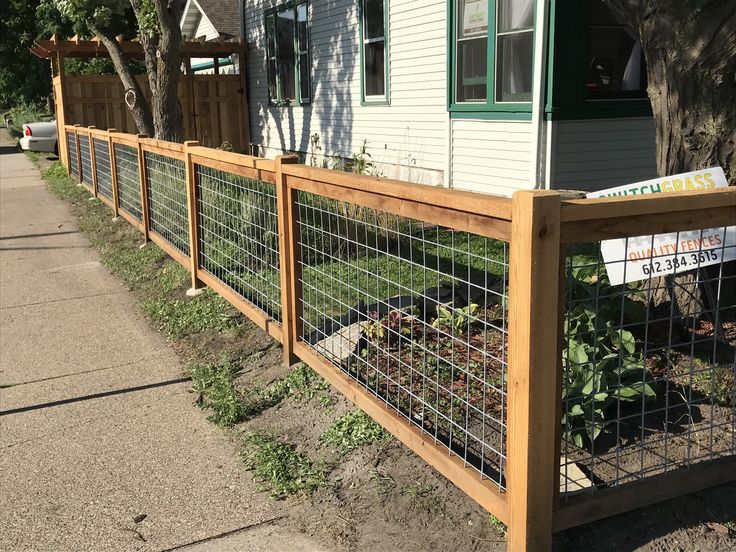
650, 256
475, 17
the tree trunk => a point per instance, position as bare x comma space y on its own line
162, 55
690, 51
134, 97
167, 115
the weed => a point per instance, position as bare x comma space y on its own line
216, 387
498, 526
423, 495
718, 382
277, 464
418, 489
353, 430
384, 483
179, 318
302, 383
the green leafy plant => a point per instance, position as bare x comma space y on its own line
601, 360
457, 319
277, 464
215, 384
353, 430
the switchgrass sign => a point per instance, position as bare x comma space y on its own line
643, 257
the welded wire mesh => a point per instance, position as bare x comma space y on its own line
71, 143
416, 314
238, 233
649, 370
102, 167
86, 159
128, 177
167, 199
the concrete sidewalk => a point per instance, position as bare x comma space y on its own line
97, 427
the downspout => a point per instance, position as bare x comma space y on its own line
541, 34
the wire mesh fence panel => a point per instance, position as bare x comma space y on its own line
86, 159
71, 143
167, 199
238, 233
416, 314
102, 167
128, 176
649, 374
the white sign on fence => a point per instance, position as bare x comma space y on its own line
649, 256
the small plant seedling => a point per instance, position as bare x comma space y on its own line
279, 466
353, 430
455, 319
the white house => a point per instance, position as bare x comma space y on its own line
211, 20
488, 95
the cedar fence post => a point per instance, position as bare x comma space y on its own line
113, 170
288, 259
534, 381
93, 168
144, 189
191, 183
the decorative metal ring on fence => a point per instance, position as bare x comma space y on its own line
71, 143
649, 367
128, 180
238, 236
417, 315
103, 172
167, 199
84, 153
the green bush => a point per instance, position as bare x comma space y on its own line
353, 430
601, 360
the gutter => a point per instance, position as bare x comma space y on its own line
541, 36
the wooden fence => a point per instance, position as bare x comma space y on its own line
178, 195
213, 106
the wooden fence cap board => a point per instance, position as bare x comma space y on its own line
459, 200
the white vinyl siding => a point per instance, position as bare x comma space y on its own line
491, 156
602, 153
407, 139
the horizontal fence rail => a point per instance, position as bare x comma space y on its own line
483, 332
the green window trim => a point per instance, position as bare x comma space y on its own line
505, 110
384, 99
300, 53
566, 94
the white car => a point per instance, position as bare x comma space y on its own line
40, 136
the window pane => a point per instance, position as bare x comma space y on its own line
301, 16
514, 67
304, 87
472, 70
514, 15
271, 54
374, 69
615, 62
286, 57
372, 19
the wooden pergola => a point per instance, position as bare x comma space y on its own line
214, 106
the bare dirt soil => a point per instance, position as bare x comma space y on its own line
382, 497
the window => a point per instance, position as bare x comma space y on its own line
493, 43
287, 53
615, 63
374, 51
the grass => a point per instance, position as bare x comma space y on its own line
498, 526
353, 430
216, 387
230, 405
278, 465
424, 495
159, 281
